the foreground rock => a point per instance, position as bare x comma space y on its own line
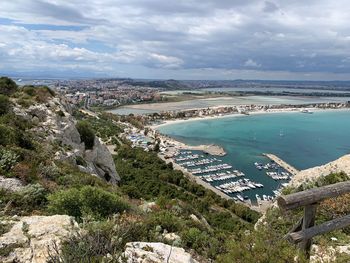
143, 252
31, 238
340, 165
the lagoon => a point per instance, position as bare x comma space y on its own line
147, 108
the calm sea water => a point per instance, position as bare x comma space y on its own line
303, 140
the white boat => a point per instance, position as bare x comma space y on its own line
306, 111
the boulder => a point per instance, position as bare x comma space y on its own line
143, 252
31, 238
100, 160
10, 184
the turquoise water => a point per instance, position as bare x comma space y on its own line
302, 140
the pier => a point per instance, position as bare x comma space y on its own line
292, 170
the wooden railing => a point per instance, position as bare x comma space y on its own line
303, 232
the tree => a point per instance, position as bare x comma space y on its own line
87, 135
7, 86
4, 104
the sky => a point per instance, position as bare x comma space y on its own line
182, 39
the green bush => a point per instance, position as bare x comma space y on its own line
166, 220
87, 135
5, 104
7, 135
8, 159
25, 201
86, 201
7, 86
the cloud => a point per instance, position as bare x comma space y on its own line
251, 64
150, 37
270, 7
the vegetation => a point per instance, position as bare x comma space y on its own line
87, 200
87, 135
4, 104
7, 86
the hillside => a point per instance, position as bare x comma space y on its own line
65, 198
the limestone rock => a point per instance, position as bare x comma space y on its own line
148, 207
340, 165
31, 238
61, 128
100, 160
143, 252
10, 184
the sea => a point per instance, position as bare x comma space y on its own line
302, 140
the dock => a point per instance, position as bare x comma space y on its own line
289, 168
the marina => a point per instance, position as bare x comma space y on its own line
306, 140
216, 172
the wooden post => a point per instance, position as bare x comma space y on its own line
303, 232
308, 221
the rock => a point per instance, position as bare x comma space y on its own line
172, 237
10, 184
195, 218
38, 110
100, 160
148, 207
62, 129
340, 165
143, 252
31, 238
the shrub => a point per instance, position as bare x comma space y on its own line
31, 197
86, 201
166, 220
87, 135
4, 104
7, 86
43, 94
8, 159
98, 240
7, 135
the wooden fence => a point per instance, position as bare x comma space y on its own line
303, 232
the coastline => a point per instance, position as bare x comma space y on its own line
236, 114
177, 145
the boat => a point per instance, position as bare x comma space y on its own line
240, 198
306, 111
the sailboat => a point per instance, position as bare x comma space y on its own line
281, 133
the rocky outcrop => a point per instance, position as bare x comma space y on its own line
31, 239
10, 184
99, 159
143, 252
53, 120
340, 165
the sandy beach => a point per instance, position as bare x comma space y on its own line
213, 117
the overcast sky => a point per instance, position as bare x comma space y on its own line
182, 39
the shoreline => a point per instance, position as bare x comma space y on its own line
172, 146
236, 114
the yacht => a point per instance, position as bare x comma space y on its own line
306, 111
